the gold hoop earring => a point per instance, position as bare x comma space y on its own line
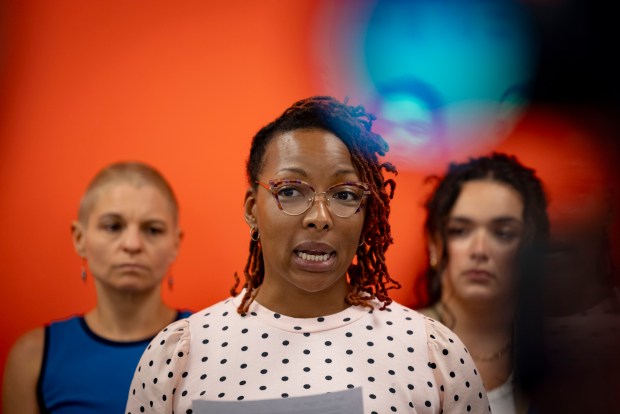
254, 234
362, 242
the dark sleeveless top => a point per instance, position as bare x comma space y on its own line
83, 373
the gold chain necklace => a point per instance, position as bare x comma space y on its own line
494, 356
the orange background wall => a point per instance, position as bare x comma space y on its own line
184, 88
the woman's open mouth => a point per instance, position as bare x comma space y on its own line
314, 256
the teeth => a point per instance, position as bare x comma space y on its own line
313, 257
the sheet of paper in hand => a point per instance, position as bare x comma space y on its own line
339, 402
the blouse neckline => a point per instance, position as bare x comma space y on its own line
306, 325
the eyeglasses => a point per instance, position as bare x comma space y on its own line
295, 197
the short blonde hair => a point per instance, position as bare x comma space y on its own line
132, 172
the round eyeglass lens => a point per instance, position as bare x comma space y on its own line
342, 200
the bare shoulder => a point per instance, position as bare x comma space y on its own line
29, 345
21, 373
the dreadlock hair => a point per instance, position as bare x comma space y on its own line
368, 275
497, 167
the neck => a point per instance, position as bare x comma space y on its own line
486, 331
478, 319
301, 304
124, 316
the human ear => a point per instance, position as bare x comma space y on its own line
435, 251
77, 234
179, 234
432, 256
249, 208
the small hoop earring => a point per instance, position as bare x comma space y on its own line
254, 234
362, 242
83, 273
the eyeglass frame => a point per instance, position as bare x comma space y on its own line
273, 184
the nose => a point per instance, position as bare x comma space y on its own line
132, 240
479, 247
318, 215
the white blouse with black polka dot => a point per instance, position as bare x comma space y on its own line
403, 361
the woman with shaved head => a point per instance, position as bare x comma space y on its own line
127, 235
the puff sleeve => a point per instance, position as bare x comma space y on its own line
160, 368
459, 383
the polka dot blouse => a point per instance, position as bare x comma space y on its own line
404, 362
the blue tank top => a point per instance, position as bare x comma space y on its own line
83, 373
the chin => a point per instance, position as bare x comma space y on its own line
316, 286
487, 296
480, 294
135, 287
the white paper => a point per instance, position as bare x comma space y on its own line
339, 402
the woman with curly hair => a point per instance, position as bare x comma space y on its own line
484, 215
314, 314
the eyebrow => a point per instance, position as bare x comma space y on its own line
496, 220
293, 170
120, 216
110, 215
303, 173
